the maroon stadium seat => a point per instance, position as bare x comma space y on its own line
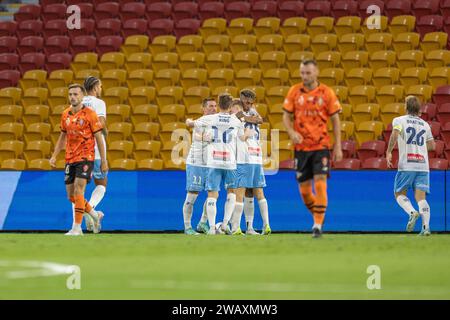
184, 10
447, 152
30, 44
445, 8
238, 9
186, 26
160, 27
387, 133
106, 10
287, 164
9, 61
132, 10
8, 28
375, 163
210, 10
87, 10
158, 10
31, 61
347, 164
48, 2
428, 111
445, 134
446, 27
108, 27
134, 27
424, 8
83, 44
348, 148
109, 44
435, 128
363, 5
56, 44
262, 9
438, 151
438, 164
55, 28
202, 2
397, 8
9, 78
443, 115
8, 44
427, 24
442, 95
58, 61
344, 8
28, 12
54, 11
289, 9
371, 149
29, 28
317, 8
87, 29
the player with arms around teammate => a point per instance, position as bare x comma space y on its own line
92, 100
307, 108
80, 129
196, 171
414, 139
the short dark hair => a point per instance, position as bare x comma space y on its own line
413, 105
247, 93
309, 61
90, 83
237, 102
77, 85
206, 100
225, 101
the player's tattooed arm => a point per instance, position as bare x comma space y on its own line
391, 145
337, 151
256, 119
58, 147
103, 122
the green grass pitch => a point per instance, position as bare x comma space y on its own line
280, 266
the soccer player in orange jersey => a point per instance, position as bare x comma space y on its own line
80, 129
307, 108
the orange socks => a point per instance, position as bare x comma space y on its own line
308, 197
321, 201
79, 208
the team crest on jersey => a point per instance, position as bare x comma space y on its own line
67, 121
320, 101
301, 100
81, 122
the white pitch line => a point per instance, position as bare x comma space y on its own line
38, 269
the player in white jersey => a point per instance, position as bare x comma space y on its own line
414, 139
92, 100
196, 172
221, 158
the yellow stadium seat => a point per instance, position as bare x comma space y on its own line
11, 113
59, 78
117, 95
189, 43
361, 94
167, 130
261, 108
259, 91
147, 149
385, 76
295, 58
81, 75
218, 60
439, 77
286, 151
351, 42
150, 164
55, 117
320, 25
409, 59
145, 131
390, 94
341, 93
296, 42
169, 95
245, 59
13, 164
10, 96
220, 77
400, 24
140, 78
275, 77
241, 43
272, 59
119, 131
34, 96
134, 44
35, 113
144, 113
162, 44
124, 164
240, 26
437, 58
354, 59
390, 111
142, 95
111, 60
368, 130
434, 41
382, 59
247, 77
383, 27
195, 95
58, 96
346, 111
231, 90
11, 149
118, 113
119, 149
39, 164
165, 60
191, 60
421, 91
114, 78
37, 149
358, 77
295, 77
347, 24
406, 41
328, 59
282, 134
138, 60
323, 42
276, 95
85, 60
166, 78
172, 113
33, 79
332, 76
275, 114
293, 25
193, 77
365, 112
413, 76
213, 26
216, 43
269, 42
266, 25
195, 111
379, 41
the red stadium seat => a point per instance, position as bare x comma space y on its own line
424, 8
397, 8
134, 27
375, 163
8, 28
264, 9
29, 28
445, 8
445, 134
160, 27
438, 164
58, 61
371, 149
427, 24
314, 9
184, 10
343, 8
28, 12
435, 128
106, 10
87, 28
158, 10
442, 95
443, 115
83, 44
48, 2
428, 111
348, 148
108, 27
210, 10
347, 164
132, 10
55, 28
387, 133
87, 10
446, 27
30, 44
9, 61
109, 44
238, 9
363, 5
438, 151
289, 9
186, 26
54, 11
8, 44
9, 78
31, 61
57, 44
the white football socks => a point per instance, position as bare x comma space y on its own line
97, 195
406, 205
211, 210
188, 207
237, 216
424, 210
204, 217
229, 208
264, 210
249, 211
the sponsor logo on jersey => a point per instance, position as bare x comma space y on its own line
415, 157
221, 155
254, 151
